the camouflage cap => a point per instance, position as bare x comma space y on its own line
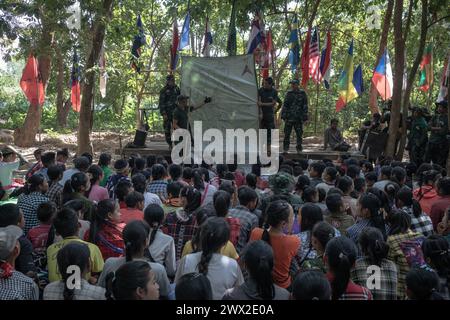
281, 182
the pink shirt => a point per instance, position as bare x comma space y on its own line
98, 193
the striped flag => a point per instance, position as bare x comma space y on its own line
138, 42
325, 62
75, 96
256, 34
382, 77
443, 90
174, 46
184, 40
305, 59
268, 55
426, 71
294, 51
314, 57
208, 40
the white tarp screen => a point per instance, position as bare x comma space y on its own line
231, 82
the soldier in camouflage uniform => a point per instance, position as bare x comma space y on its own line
167, 104
294, 113
437, 149
418, 136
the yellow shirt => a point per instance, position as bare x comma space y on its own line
227, 250
52, 251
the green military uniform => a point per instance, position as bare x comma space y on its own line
268, 114
167, 104
294, 113
437, 149
417, 140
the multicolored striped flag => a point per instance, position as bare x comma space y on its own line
208, 39
426, 69
314, 57
174, 46
305, 60
256, 33
138, 42
75, 96
382, 77
325, 62
294, 51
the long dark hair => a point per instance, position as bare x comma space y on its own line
323, 232
104, 207
96, 172
277, 212
373, 246
258, 259
154, 216
74, 184
405, 195
423, 284
72, 254
311, 214
193, 286
201, 216
222, 202
214, 235
135, 235
436, 248
193, 197
122, 284
370, 202
33, 183
400, 222
341, 253
311, 285
197, 177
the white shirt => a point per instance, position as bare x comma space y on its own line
151, 198
67, 175
55, 291
162, 251
224, 273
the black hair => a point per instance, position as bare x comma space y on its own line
151, 160
371, 202
322, 194
96, 172
304, 164
229, 176
251, 180
54, 172
345, 183
308, 194
287, 169
405, 195
423, 284
187, 173
74, 184
222, 201
66, 223
359, 184
154, 216
318, 167
46, 211
139, 182
256, 169
196, 176
443, 186
104, 159
9, 215
400, 222
341, 253
277, 212
122, 189
214, 234
246, 195
193, 286
436, 249
63, 152
323, 232
139, 164
302, 183
334, 191
311, 214
311, 285
227, 186
332, 172
72, 254
174, 189
48, 159
411, 169
133, 198
334, 120
82, 163
334, 203
368, 165
104, 207
221, 169
88, 156
122, 284
201, 216
398, 175
386, 171
298, 170
373, 245
353, 171
33, 183
351, 162
371, 176
258, 259
175, 171
135, 236
193, 197
158, 171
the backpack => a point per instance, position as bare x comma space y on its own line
412, 250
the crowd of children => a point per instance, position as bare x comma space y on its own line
144, 229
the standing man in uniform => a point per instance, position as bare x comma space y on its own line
437, 148
294, 113
418, 136
167, 104
267, 100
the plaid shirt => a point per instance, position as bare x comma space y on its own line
248, 222
29, 204
388, 278
421, 224
55, 291
54, 193
18, 287
112, 183
397, 256
158, 187
181, 228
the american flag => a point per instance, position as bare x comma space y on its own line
314, 57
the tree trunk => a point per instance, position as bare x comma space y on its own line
412, 76
448, 116
399, 45
62, 107
373, 103
25, 136
84, 140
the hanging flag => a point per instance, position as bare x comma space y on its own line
231, 41
138, 42
268, 55
443, 90
358, 82
314, 58
184, 39
208, 40
382, 77
103, 74
325, 62
294, 51
256, 34
75, 96
31, 83
426, 72
347, 89
174, 46
305, 59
